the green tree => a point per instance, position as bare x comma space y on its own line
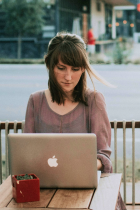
23, 18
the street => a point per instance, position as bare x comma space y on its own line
17, 82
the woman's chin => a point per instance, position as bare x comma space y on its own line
68, 90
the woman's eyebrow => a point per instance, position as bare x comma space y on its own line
60, 64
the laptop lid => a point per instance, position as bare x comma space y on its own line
59, 160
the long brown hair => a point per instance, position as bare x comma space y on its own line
71, 50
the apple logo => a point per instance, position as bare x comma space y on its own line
52, 162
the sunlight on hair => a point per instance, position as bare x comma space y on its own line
93, 73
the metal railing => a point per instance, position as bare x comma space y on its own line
124, 125
7, 126
115, 125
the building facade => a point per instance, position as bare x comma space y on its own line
74, 16
128, 21
125, 21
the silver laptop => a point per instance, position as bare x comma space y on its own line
59, 160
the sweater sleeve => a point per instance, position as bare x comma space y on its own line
100, 125
29, 118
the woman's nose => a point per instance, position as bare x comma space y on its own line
68, 75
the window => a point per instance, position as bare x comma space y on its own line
98, 6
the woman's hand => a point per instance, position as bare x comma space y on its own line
99, 165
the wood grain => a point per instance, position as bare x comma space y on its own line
24, 209
72, 198
36, 209
105, 197
130, 207
5, 192
45, 197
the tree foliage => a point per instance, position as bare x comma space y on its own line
23, 17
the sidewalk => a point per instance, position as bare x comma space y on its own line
132, 54
135, 53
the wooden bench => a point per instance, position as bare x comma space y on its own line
103, 198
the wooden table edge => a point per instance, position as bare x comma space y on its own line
104, 175
6, 185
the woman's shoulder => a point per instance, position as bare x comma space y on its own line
37, 95
91, 95
95, 99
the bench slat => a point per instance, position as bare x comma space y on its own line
5, 192
130, 207
37, 209
68, 198
106, 194
45, 197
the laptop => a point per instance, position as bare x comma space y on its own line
59, 160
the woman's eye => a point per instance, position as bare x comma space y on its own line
60, 68
76, 69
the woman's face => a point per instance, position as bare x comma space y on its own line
67, 76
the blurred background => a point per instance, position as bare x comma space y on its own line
26, 27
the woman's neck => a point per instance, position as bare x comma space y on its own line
60, 109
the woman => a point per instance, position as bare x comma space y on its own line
68, 106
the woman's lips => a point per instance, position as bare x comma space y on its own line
66, 83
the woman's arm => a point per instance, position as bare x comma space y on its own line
29, 118
99, 165
100, 125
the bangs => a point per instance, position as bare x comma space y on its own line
71, 50
70, 55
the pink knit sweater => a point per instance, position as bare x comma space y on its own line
40, 118
82, 119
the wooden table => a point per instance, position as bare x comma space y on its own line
103, 198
